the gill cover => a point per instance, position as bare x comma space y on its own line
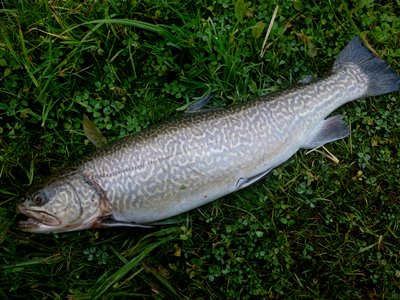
69, 203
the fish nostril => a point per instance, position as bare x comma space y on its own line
38, 199
23, 199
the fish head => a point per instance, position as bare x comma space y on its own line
67, 204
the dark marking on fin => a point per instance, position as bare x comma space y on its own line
329, 130
244, 182
382, 79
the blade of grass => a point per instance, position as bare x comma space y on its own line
47, 260
166, 235
159, 29
164, 282
271, 23
125, 269
26, 62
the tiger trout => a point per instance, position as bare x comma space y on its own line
203, 155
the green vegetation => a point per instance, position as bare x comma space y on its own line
313, 229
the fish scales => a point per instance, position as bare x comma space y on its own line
210, 152
199, 157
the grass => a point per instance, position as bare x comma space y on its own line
313, 229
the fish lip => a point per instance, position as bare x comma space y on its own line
36, 218
34, 223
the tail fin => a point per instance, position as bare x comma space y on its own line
382, 79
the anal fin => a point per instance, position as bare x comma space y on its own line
329, 130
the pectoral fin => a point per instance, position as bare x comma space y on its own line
123, 224
243, 182
109, 221
329, 130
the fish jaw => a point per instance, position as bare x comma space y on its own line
36, 221
41, 222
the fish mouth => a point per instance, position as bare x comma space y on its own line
29, 220
35, 221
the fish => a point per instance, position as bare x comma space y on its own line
202, 155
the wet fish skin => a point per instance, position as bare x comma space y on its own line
199, 157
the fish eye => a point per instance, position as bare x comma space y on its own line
38, 199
